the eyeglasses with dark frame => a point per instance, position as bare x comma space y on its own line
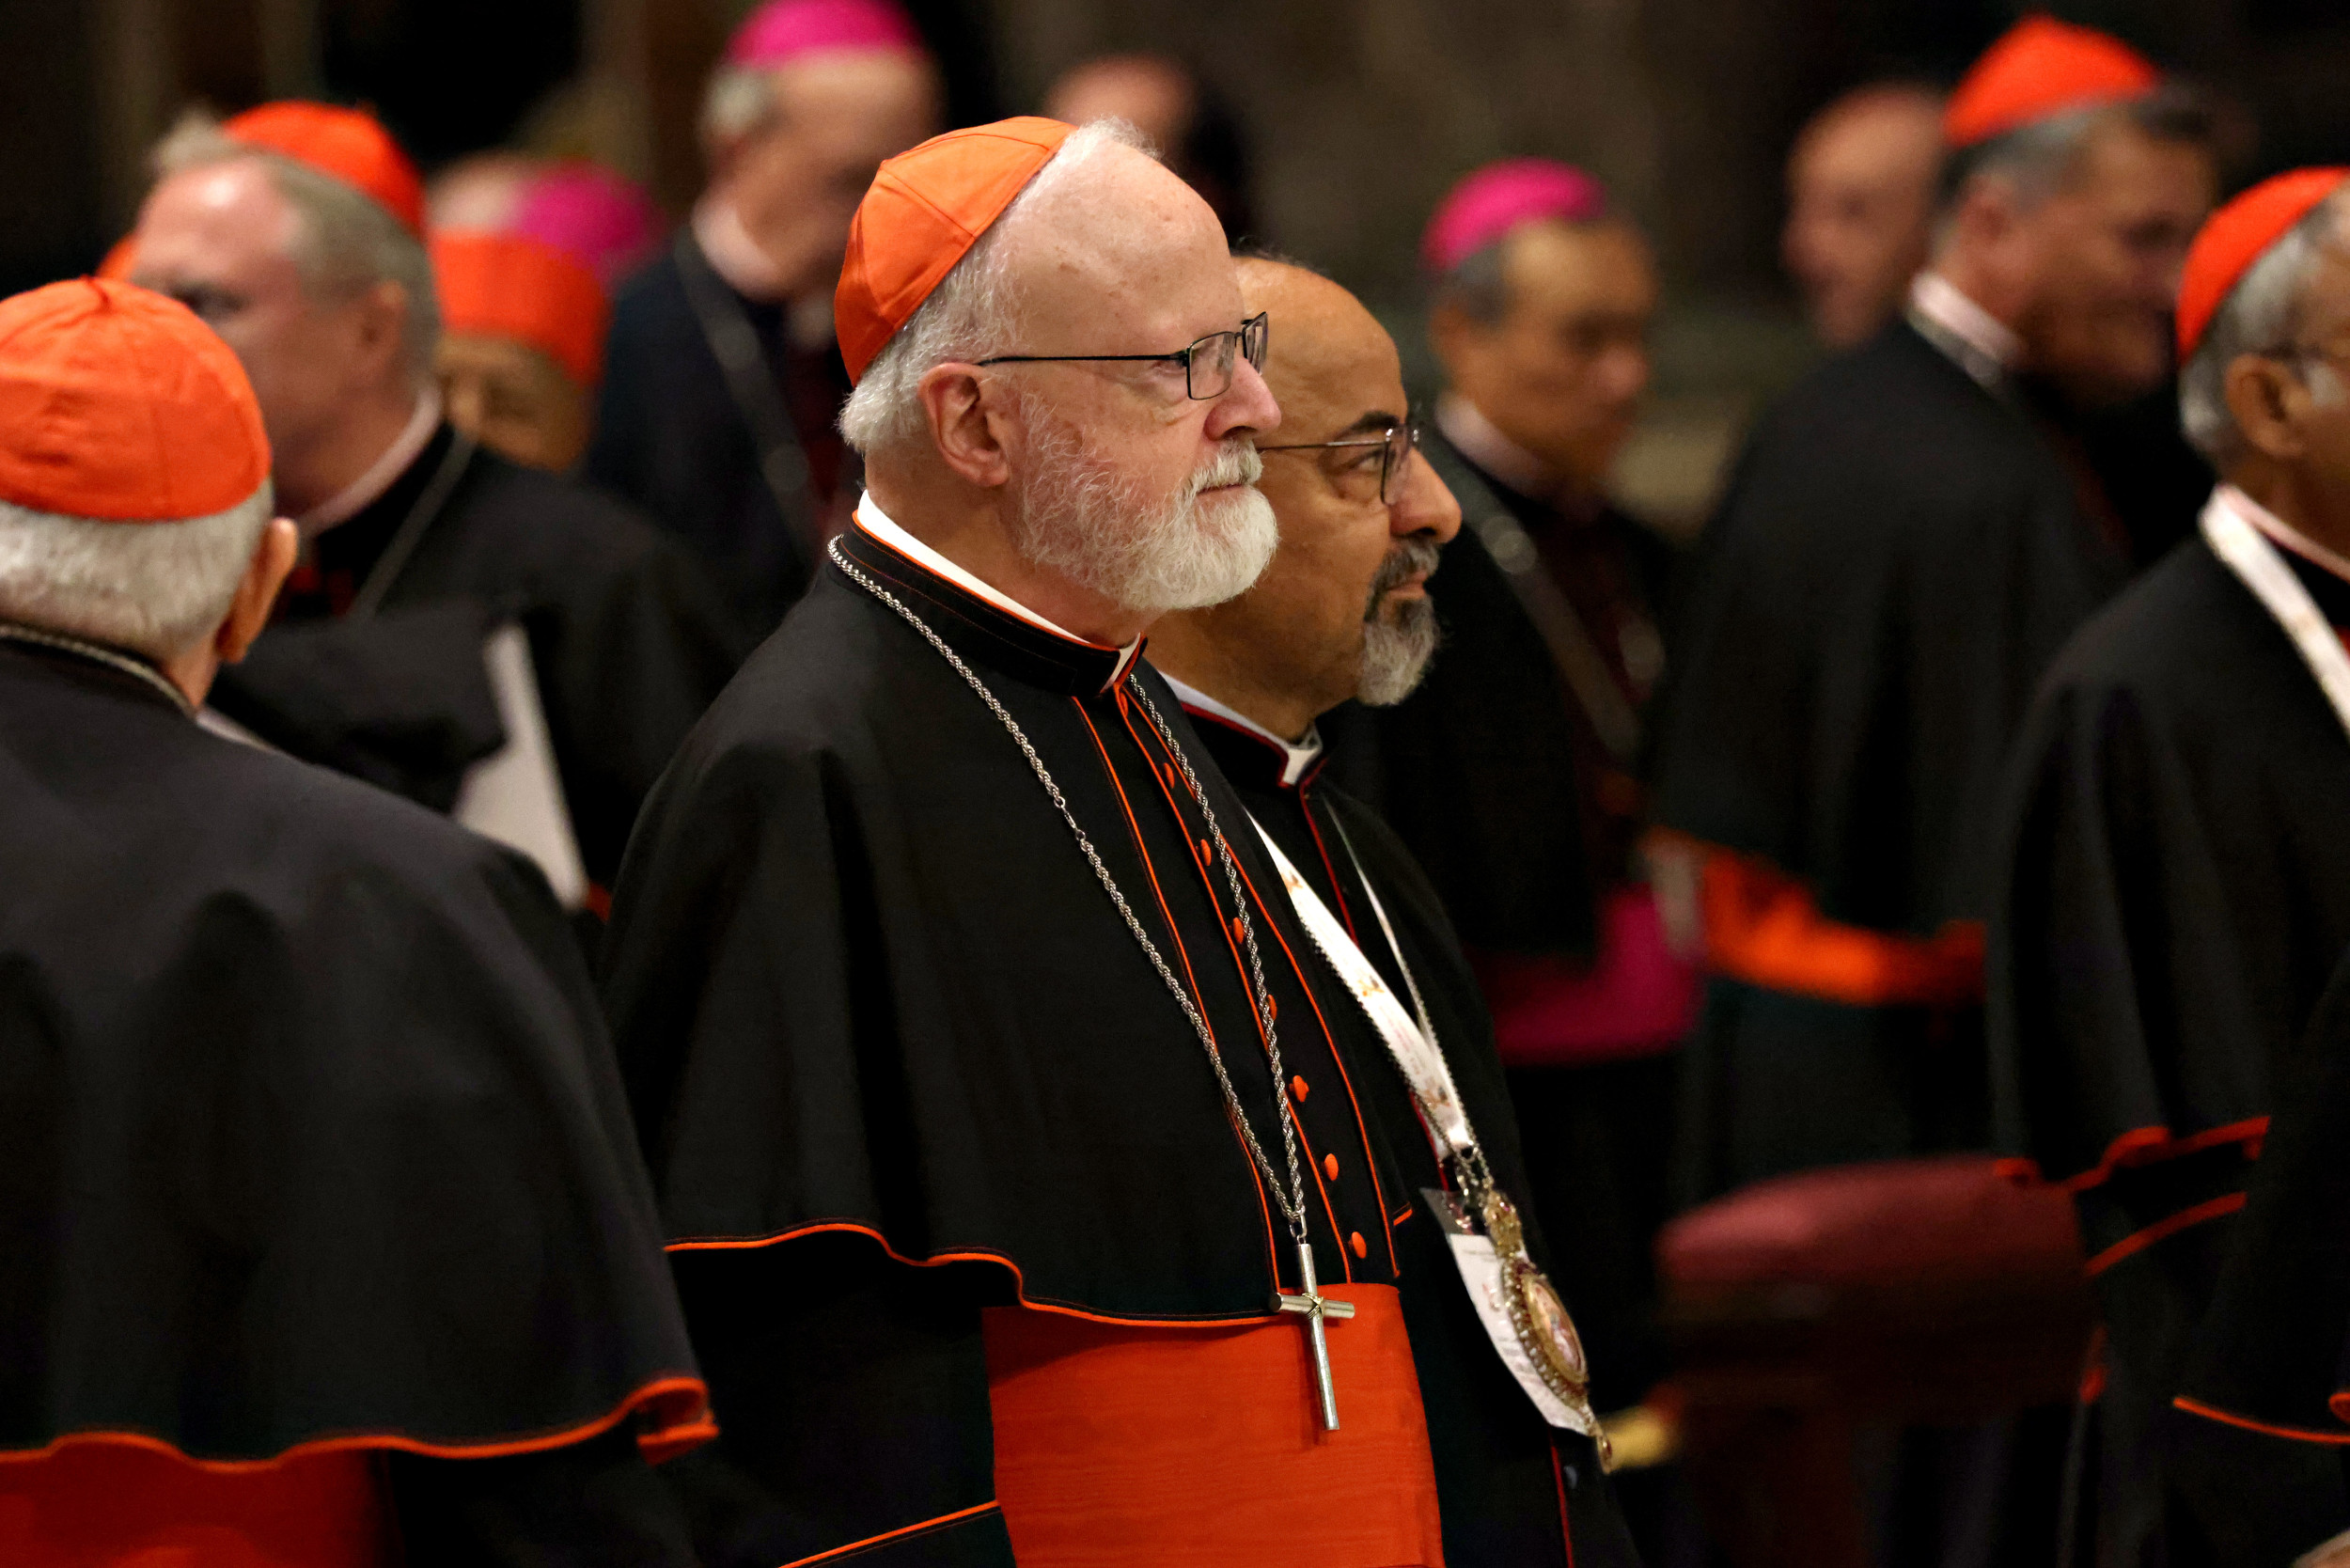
1396, 446
1208, 364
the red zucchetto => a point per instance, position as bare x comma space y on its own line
118, 405
2041, 67
926, 209
2238, 235
507, 285
349, 143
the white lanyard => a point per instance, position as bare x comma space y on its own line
2250, 556
1522, 1313
1423, 1065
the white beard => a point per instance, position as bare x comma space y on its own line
1075, 515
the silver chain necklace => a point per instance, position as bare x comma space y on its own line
1291, 1201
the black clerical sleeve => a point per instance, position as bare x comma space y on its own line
322, 1084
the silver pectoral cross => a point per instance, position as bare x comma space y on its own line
1315, 1307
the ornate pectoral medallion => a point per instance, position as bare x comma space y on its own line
1528, 1322
1543, 1325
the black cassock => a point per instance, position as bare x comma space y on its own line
867, 989
1901, 554
690, 440
2261, 1426
1496, 1466
312, 1132
629, 640
2178, 893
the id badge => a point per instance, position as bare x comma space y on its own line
1481, 1269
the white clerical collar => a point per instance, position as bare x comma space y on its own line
876, 522
363, 492
1480, 440
2281, 533
1985, 346
1297, 756
733, 255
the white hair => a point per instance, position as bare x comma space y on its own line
971, 313
2258, 316
345, 240
152, 589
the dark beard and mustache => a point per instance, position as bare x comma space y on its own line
1399, 639
1078, 516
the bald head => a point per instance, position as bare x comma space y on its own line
1861, 188
1333, 364
1114, 249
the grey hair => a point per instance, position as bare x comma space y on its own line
737, 102
152, 589
2258, 316
972, 311
345, 241
2038, 159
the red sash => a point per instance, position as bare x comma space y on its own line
1142, 1446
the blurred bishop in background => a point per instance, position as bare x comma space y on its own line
480, 637
524, 284
1862, 184
722, 378
1909, 537
1907, 540
1188, 121
313, 1131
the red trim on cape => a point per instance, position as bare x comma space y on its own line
940, 1260
2143, 1146
679, 1405
2161, 1229
2298, 1434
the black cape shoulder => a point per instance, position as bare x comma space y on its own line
313, 1131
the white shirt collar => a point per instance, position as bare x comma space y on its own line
731, 252
1480, 440
876, 522
1985, 346
2280, 532
1297, 756
363, 492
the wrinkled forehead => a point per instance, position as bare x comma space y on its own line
216, 214
1120, 257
